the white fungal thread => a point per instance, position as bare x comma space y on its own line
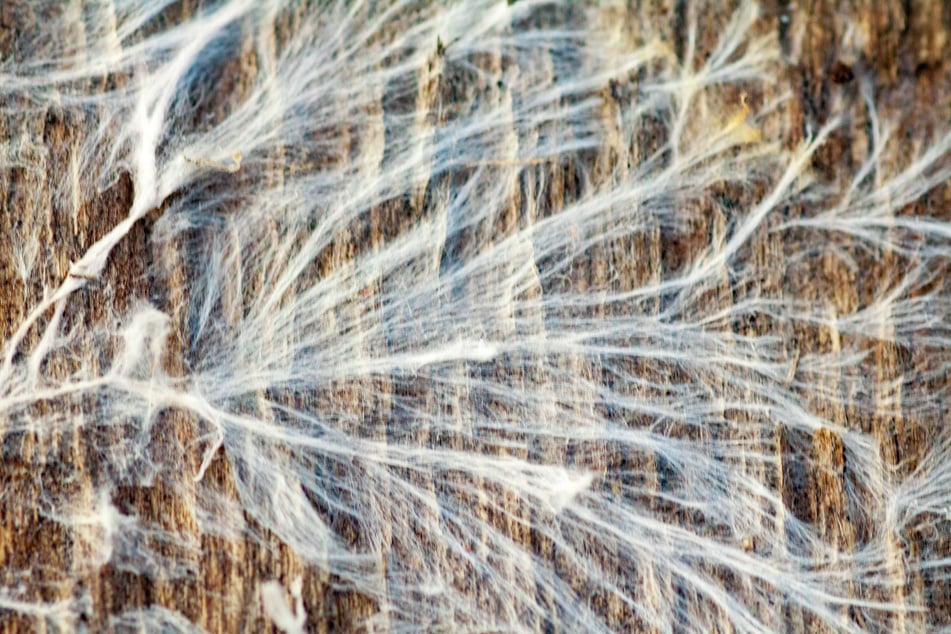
289, 620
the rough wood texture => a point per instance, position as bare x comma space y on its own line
831, 50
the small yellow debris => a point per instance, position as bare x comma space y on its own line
206, 162
738, 128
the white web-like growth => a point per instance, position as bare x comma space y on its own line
450, 419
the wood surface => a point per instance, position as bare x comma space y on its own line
901, 49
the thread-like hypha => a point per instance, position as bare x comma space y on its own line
437, 367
